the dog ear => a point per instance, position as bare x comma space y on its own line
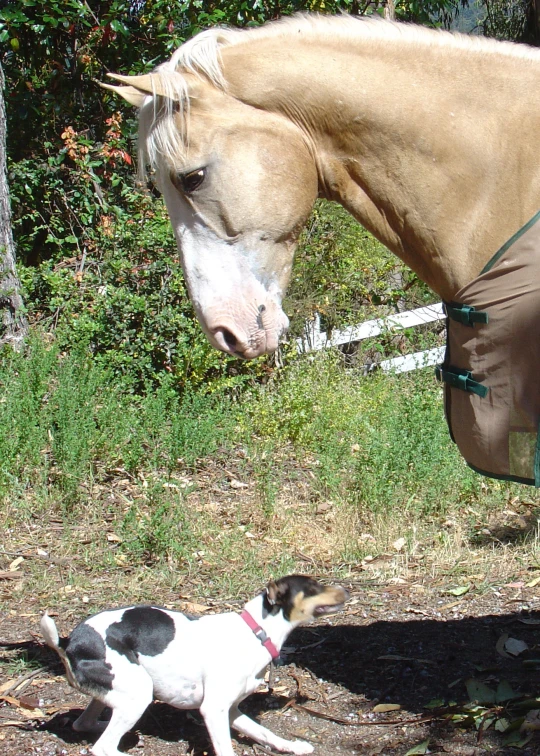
272, 592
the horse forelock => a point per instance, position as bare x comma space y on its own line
163, 124
164, 119
201, 55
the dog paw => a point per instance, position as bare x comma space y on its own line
96, 750
300, 747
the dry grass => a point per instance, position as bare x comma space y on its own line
235, 544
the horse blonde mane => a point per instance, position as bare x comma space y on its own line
159, 132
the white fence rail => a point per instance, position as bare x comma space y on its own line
314, 339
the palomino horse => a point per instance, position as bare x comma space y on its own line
431, 140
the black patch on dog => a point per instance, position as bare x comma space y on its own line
85, 650
142, 630
287, 588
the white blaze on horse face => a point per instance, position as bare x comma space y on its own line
239, 314
237, 230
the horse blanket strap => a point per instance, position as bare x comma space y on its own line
491, 369
461, 379
464, 314
261, 635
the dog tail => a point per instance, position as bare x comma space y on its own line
52, 639
50, 633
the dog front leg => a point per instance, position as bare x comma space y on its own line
262, 735
216, 718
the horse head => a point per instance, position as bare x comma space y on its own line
239, 184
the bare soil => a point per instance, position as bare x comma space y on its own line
402, 644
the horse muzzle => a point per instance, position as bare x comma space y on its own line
250, 340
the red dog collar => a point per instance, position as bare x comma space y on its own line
260, 634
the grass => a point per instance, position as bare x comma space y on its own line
379, 442
321, 470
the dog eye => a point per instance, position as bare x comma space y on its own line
189, 182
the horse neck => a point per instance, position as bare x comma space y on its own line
432, 147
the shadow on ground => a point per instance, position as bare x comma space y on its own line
413, 662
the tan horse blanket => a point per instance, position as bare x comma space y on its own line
492, 363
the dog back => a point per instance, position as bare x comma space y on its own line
131, 632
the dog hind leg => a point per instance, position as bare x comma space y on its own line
262, 735
128, 704
89, 720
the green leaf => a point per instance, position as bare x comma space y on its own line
418, 749
484, 723
118, 27
517, 739
505, 692
528, 704
459, 591
435, 703
479, 692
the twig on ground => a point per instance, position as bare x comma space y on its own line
271, 676
266, 751
300, 692
25, 679
395, 722
13, 724
315, 679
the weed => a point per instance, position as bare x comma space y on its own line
21, 664
160, 528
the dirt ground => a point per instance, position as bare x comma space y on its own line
403, 645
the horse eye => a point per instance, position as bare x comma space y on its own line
188, 182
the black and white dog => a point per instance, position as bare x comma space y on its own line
124, 658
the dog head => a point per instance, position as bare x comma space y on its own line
302, 598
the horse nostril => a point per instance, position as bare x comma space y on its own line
227, 341
230, 338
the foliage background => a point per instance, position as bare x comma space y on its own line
96, 253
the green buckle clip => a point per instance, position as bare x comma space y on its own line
465, 314
461, 379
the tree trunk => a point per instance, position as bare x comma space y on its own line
13, 325
536, 21
390, 10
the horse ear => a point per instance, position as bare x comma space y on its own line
272, 592
169, 84
134, 96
